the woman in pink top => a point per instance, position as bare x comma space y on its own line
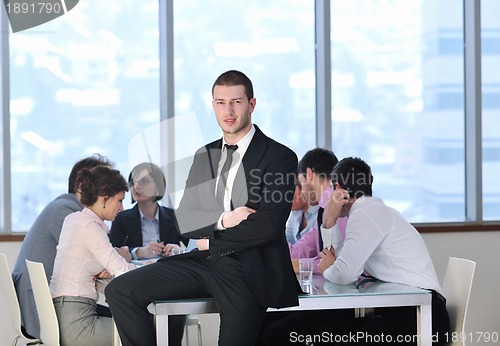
84, 252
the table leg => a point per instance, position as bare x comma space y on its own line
162, 332
424, 325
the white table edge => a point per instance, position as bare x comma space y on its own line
422, 300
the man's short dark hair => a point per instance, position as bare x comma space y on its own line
88, 162
320, 160
354, 175
233, 78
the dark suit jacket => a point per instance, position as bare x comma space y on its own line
264, 182
128, 223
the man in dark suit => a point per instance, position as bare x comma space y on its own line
241, 212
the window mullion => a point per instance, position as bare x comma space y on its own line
323, 74
473, 109
167, 130
5, 186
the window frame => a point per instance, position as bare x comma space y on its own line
5, 183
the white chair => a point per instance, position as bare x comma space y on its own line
10, 297
49, 327
456, 289
192, 321
116, 336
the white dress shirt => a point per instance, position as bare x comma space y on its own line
243, 145
379, 240
84, 251
150, 229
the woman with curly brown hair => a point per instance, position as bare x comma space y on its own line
85, 253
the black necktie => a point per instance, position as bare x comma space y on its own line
221, 185
320, 222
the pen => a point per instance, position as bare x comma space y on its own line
125, 241
158, 241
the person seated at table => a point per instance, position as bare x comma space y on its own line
84, 253
301, 219
39, 244
148, 229
314, 178
378, 239
314, 186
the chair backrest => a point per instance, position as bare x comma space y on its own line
49, 327
456, 289
10, 297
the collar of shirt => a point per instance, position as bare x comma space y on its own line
97, 219
145, 218
242, 144
323, 202
313, 209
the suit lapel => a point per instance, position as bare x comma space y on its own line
250, 161
161, 221
134, 224
255, 152
252, 157
214, 153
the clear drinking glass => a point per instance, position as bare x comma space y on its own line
305, 270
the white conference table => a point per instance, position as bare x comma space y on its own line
322, 295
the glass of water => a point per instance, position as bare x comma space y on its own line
306, 270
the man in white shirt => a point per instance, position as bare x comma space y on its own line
381, 242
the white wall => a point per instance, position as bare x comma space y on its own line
484, 308
483, 315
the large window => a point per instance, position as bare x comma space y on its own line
490, 44
270, 41
397, 101
104, 76
86, 82
89, 82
